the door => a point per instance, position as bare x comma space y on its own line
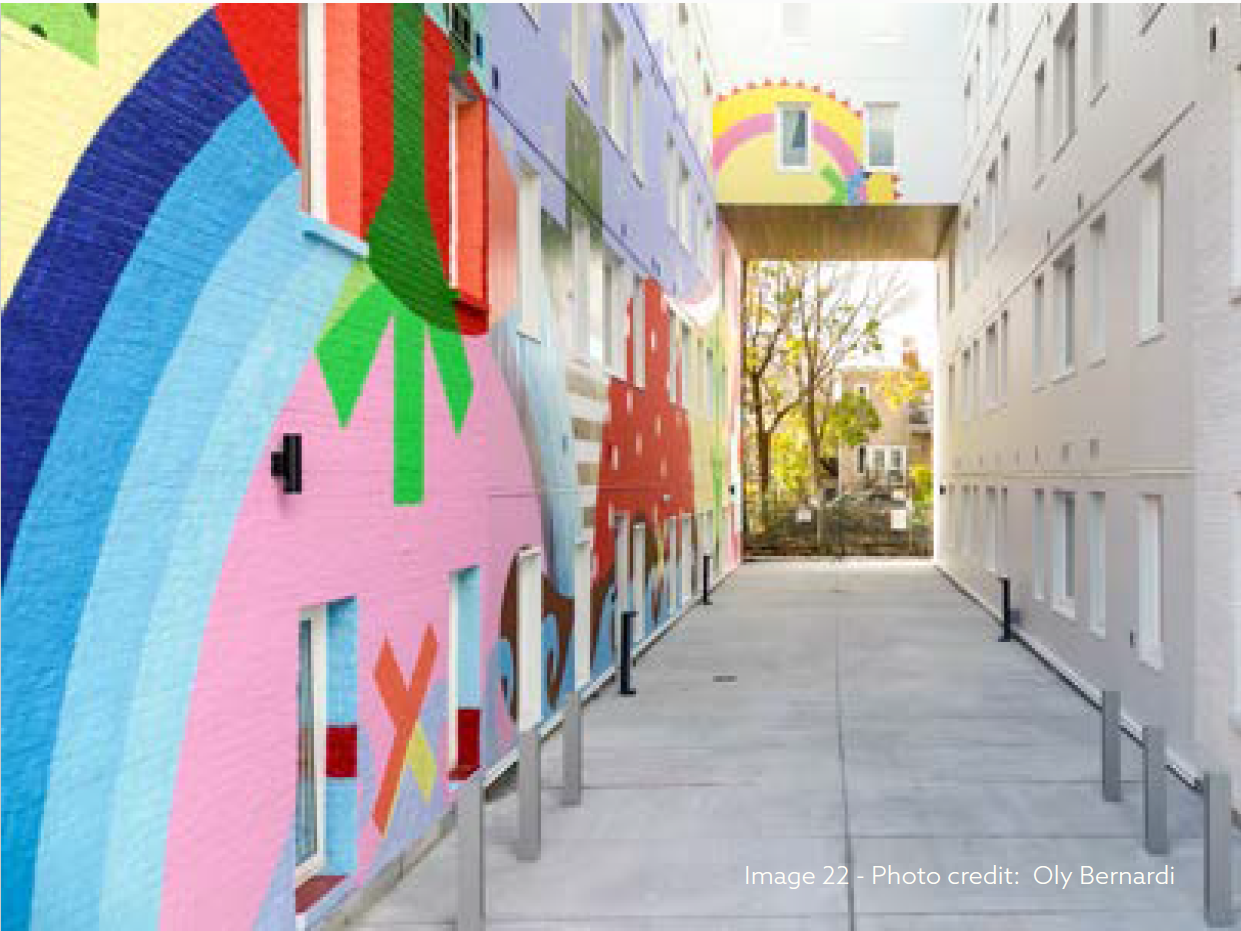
530, 637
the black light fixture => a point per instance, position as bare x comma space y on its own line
286, 463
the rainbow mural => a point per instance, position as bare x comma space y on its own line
171, 311
744, 151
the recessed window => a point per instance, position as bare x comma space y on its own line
1005, 184
612, 91
993, 48
1096, 543
881, 135
670, 181
993, 364
1002, 534
1004, 355
1038, 556
613, 314
1098, 46
1036, 334
993, 200
635, 123
1066, 296
1066, 77
795, 22
1040, 115
313, 26
581, 311
1150, 270
1150, 580
793, 132
529, 250
684, 223
1064, 553
637, 338
992, 529
1098, 288
311, 798
579, 42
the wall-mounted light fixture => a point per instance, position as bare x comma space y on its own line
286, 463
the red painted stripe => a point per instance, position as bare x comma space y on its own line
265, 38
375, 62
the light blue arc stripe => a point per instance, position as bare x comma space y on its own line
235, 447
177, 259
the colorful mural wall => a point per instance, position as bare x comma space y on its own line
172, 310
745, 150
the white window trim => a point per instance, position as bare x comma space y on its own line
314, 109
1096, 329
1151, 307
614, 73
637, 338
781, 109
1064, 327
317, 617
579, 48
1039, 545
635, 124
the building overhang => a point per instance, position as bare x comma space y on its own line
881, 232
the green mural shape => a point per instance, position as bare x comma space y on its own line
583, 157
403, 281
71, 26
840, 192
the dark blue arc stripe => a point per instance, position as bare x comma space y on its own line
57, 301
48, 325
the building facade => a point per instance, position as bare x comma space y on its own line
903, 440
361, 362
1089, 334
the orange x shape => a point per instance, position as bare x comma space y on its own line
404, 703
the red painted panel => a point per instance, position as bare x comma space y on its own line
344, 117
342, 751
437, 66
468, 753
265, 38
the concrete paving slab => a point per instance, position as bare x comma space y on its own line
874, 684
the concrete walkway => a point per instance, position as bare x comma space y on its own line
868, 718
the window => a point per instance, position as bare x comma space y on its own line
967, 267
687, 359
897, 463
993, 201
1005, 178
993, 364
969, 110
1002, 535
1036, 335
1098, 288
579, 40
1150, 580
1150, 271
1006, 29
613, 314
980, 227
1003, 356
1066, 281
793, 127
529, 250
1096, 557
993, 529
878, 461
864, 391
1064, 553
635, 123
976, 387
580, 321
613, 88
638, 335
993, 48
795, 22
1040, 115
1098, 47
952, 391
684, 225
1039, 546
861, 460
966, 400
1236, 184
311, 799
881, 135
464, 686
313, 25
1066, 77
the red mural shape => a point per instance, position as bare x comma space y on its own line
403, 703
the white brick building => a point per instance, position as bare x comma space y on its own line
1090, 334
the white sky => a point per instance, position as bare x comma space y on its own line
916, 318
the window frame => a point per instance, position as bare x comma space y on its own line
887, 106
613, 59
782, 109
1151, 549
1064, 546
1096, 558
316, 617
1152, 252
529, 249
1065, 79
579, 48
1064, 315
312, 28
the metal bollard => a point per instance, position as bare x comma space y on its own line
471, 854
1006, 607
706, 578
626, 657
1111, 745
572, 748
1217, 852
529, 795
1155, 787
